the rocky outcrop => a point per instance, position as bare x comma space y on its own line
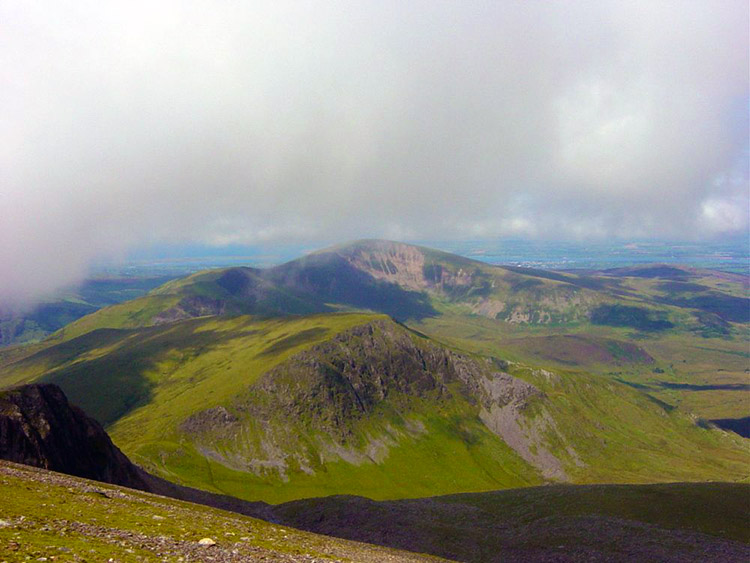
191, 307
39, 427
335, 383
314, 406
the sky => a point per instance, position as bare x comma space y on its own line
129, 124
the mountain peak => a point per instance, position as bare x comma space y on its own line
367, 245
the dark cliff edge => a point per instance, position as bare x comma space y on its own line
39, 427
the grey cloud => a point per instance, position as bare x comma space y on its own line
126, 123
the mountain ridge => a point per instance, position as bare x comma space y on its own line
283, 406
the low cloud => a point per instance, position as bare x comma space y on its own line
132, 123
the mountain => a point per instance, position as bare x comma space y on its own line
412, 282
286, 408
403, 281
677, 333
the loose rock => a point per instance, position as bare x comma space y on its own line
208, 542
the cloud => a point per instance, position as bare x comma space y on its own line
129, 123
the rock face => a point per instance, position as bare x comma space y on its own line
349, 375
39, 427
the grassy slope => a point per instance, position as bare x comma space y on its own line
131, 314
624, 437
437, 462
139, 312
156, 377
49, 515
69, 305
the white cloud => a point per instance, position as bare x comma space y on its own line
725, 215
126, 123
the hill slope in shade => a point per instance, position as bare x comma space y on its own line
289, 408
39, 427
48, 514
676, 522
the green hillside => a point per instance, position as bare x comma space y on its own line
284, 408
250, 383
176, 368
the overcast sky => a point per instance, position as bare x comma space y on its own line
129, 123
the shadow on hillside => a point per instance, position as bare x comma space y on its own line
105, 371
287, 343
331, 279
740, 426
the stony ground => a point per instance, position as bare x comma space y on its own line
47, 516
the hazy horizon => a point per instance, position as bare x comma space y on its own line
729, 255
133, 125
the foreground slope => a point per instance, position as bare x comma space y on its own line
280, 409
62, 518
